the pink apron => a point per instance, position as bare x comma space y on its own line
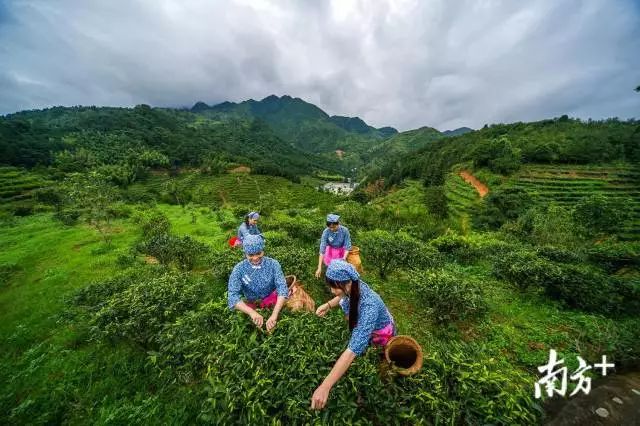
381, 337
267, 302
332, 253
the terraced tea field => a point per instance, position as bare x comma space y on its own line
236, 189
462, 198
568, 184
17, 184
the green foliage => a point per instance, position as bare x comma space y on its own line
222, 262
546, 225
152, 222
576, 285
500, 206
525, 269
92, 196
138, 309
388, 251
436, 201
502, 147
183, 252
448, 296
7, 270
295, 258
498, 155
598, 214
615, 255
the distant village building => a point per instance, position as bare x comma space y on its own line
340, 188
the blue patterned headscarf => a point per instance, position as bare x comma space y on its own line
333, 218
253, 215
340, 270
252, 244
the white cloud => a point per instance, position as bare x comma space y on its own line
404, 63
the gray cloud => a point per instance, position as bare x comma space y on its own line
405, 63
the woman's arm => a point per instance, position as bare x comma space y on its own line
321, 394
324, 308
271, 322
255, 316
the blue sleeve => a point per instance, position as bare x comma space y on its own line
242, 231
281, 283
347, 239
361, 334
323, 241
234, 287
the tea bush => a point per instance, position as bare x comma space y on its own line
448, 296
152, 222
388, 251
615, 255
183, 252
525, 269
575, 285
295, 259
143, 306
223, 261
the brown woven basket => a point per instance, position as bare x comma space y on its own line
291, 280
405, 354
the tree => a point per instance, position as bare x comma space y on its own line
92, 195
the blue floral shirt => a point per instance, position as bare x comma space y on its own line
372, 315
256, 282
245, 230
340, 238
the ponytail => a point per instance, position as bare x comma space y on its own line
354, 298
354, 301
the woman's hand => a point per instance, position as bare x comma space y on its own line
271, 322
318, 272
323, 309
257, 319
319, 398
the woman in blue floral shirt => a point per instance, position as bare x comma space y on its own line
369, 321
335, 243
257, 278
248, 227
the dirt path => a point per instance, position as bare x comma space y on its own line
471, 179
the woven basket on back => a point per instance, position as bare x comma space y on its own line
298, 299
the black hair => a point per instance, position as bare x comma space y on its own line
354, 297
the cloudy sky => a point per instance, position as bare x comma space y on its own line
403, 63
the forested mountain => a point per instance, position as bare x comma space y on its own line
303, 124
91, 136
457, 132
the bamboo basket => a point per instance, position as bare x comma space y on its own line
405, 354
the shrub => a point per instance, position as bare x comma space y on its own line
152, 222
615, 255
7, 270
183, 252
389, 252
68, 216
500, 206
558, 254
575, 285
143, 305
525, 269
295, 259
222, 262
598, 214
455, 246
448, 296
